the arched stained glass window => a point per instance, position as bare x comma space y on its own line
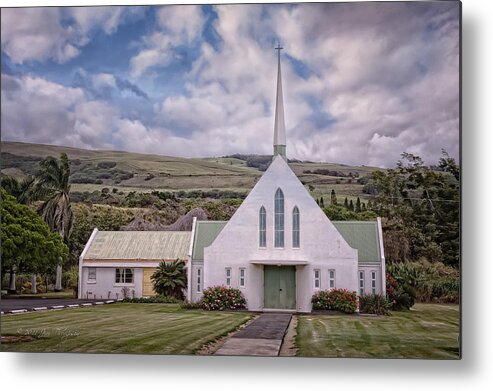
262, 233
279, 219
296, 227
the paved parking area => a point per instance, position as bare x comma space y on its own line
262, 337
8, 305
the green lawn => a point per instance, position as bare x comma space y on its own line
427, 331
120, 328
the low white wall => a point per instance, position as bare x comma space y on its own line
105, 287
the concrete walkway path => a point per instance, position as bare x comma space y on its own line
262, 337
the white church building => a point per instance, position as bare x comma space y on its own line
278, 248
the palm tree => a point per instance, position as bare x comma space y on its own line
170, 279
25, 191
56, 211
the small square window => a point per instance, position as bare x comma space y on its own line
91, 274
124, 276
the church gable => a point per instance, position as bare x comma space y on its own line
305, 226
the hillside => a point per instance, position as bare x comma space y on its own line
94, 170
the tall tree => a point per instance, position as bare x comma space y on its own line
358, 205
351, 206
322, 202
346, 204
56, 211
424, 203
28, 245
333, 197
24, 190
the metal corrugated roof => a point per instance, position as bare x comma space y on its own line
205, 233
363, 236
145, 245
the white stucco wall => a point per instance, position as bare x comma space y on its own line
196, 294
367, 269
105, 287
321, 245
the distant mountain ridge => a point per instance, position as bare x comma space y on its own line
129, 171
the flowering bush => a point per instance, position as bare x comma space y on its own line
335, 299
222, 298
400, 296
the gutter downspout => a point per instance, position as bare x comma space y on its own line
382, 257
190, 252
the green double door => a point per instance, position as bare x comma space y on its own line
280, 287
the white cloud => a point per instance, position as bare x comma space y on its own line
387, 86
39, 111
159, 51
183, 22
385, 75
36, 34
87, 18
176, 25
44, 33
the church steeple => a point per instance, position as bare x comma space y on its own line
279, 129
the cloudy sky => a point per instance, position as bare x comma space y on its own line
363, 82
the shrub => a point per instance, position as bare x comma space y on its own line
70, 279
222, 298
374, 304
400, 296
187, 305
335, 299
170, 279
152, 299
428, 282
106, 165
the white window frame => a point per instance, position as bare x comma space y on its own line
361, 283
91, 280
123, 276
332, 278
279, 219
228, 276
198, 285
242, 277
373, 282
262, 229
317, 282
296, 227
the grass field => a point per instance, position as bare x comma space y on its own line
427, 331
119, 328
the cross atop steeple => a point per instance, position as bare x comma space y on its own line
279, 128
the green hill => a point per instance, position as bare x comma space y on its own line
93, 170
